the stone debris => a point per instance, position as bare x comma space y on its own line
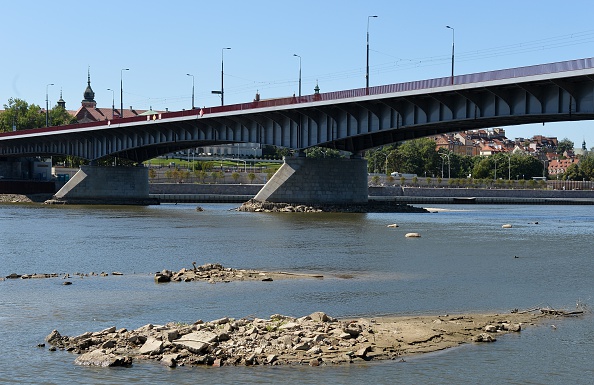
314, 340
217, 273
56, 275
370, 207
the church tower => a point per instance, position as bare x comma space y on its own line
89, 95
61, 103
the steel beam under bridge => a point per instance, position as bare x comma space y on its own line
353, 120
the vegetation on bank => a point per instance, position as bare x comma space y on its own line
420, 157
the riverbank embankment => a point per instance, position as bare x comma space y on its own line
230, 193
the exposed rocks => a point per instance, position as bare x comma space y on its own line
316, 339
371, 207
56, 275
20, 198
216, 273
413, 235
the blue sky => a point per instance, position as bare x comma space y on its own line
162, 41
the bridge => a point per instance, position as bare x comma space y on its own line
351, 120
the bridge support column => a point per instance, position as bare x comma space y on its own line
317, 181
106, 185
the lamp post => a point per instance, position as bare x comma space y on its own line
367, 67
452, 78
112, 103
508, 166
47, 104
222, 91
299, 74
495, 168
192, 89
447, 155
122, 91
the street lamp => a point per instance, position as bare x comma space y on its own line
122, 91
449, 165
192, 89
508, 166
452, 79
299, 74
367, 68
222, 91
47, 105
112, 102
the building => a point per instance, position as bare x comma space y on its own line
559, 166
89, 112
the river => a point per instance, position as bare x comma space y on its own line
464, 262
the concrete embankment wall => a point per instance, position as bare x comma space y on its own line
413, 195
191, 192
235, 193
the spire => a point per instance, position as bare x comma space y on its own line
89, 95
61, 102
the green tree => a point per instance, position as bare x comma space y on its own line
586, 166
573, 172
322, 152
483, 168
375, 180
21, 115
235, 176
418, 156
564, 145
58, 116
251, 176
381, 159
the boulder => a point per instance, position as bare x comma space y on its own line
484, 337
54, 337
196, 342
170, 360
152, 346
100, 358
320, 317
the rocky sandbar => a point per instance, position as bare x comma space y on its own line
316, 339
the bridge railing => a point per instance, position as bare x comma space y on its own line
540, 69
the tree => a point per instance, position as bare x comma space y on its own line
58, 116
483, 168
322, 152
564, 145
418, 156
381, 158
251, 177
235, 176
586, 166
19, 114
573, 172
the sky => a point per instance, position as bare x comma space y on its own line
161, 42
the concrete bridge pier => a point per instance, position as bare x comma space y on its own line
106, 185
303, 180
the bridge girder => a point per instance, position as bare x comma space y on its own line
351, 124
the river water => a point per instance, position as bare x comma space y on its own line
463, 262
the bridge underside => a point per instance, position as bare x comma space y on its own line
349, 124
